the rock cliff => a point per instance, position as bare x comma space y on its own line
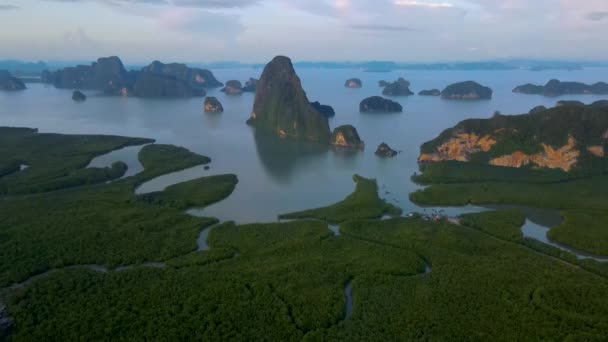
282, 107
213, 105
564, 137
384, 150
346, 136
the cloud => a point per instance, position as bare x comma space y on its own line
413, 3
210, 4
186, 20
379, 27
215, 3
8, 7
597, 16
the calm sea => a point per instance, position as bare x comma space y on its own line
280, 176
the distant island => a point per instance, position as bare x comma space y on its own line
468, 90
379, 104
401, 87
78, 96
430, 92
109, 76
353, 83
8, 82
250, 85
233, 87
558, 88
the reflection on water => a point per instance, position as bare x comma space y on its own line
281, 157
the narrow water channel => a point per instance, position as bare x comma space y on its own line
128, 155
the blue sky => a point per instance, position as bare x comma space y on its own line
255, 30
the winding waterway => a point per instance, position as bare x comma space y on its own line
278, 176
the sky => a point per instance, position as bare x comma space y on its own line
253, 31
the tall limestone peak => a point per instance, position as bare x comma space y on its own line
281, 105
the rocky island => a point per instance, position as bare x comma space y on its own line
326, 110
78, 96
558, 88
10, 83
565, 138
401, 87
385, 151
430, 92
233, 87
213, 105
109, 76
353, 83
250, 85
346, 136
379, 104
282, 107
468, 90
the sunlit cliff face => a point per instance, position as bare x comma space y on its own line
462, 145
459, 148
563, 158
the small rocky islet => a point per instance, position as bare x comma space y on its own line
213, 105
78, 96
401, 87
353, 83
386, 151
346, 136
233, 87
379, 104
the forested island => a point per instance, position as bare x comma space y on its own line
558, 88
468, 90
108, 75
